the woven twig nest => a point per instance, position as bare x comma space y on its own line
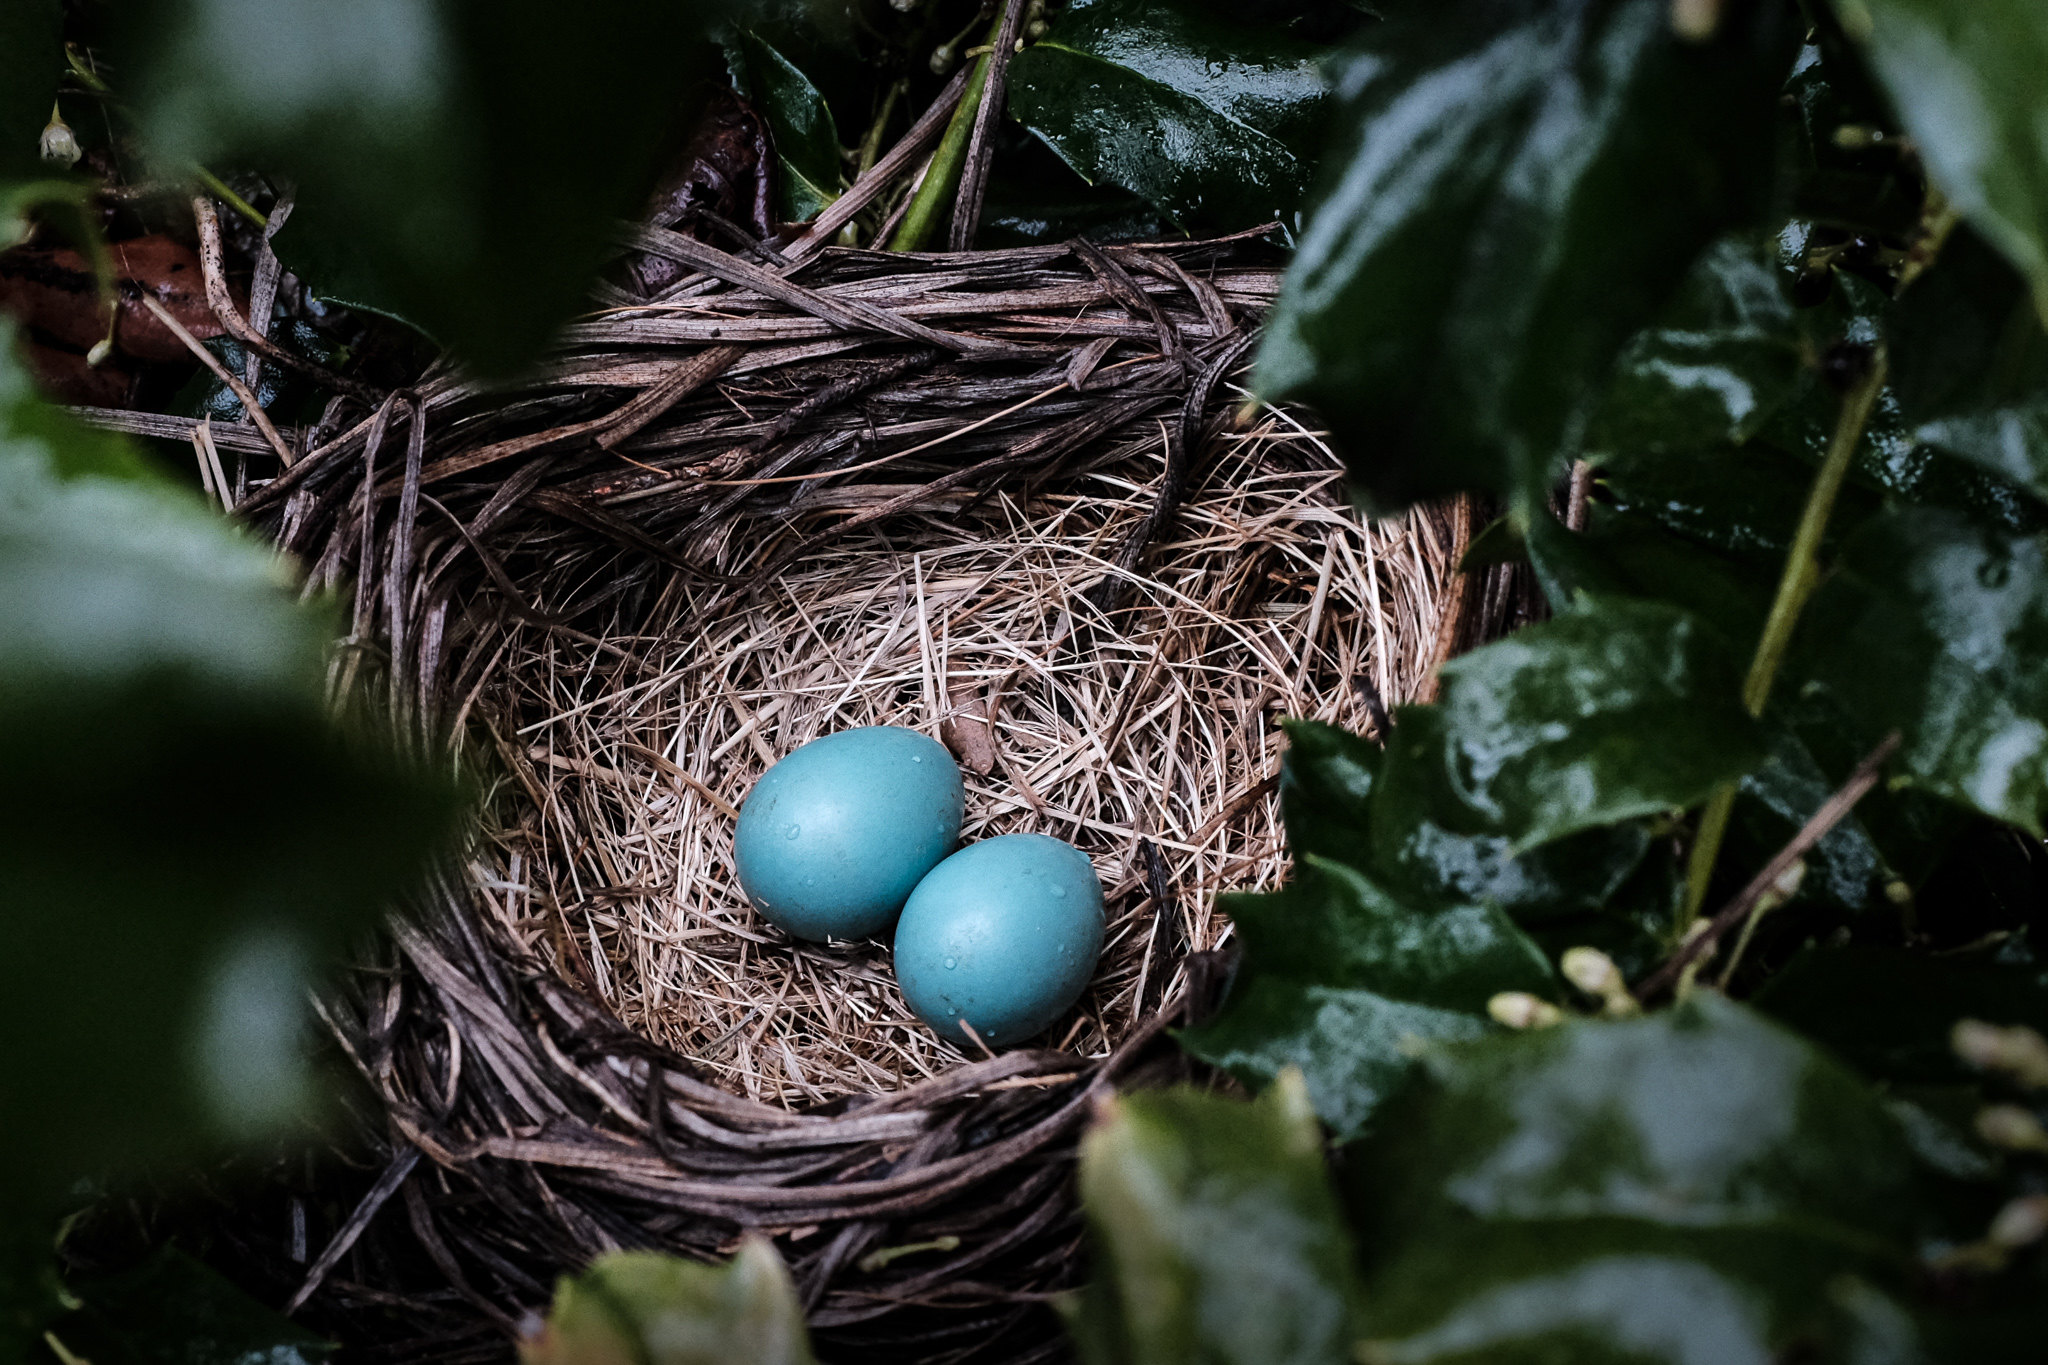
1013, 499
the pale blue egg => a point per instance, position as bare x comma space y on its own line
834, 838
1003, 934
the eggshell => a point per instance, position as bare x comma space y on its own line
1003, 934
833, 839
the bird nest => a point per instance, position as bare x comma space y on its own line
1013, 499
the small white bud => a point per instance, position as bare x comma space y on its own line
1519, 1009
942, 59
2021, 1223
60, 144
2018, 1051
1591, 970
101, 349
2011, 1127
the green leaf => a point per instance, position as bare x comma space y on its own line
189, 836
806, 139
1343, 981
1324, 788
31, 60
1216, 1235
1723, 356
459, 163
1432, 844
1684, 1187
1211, 119
644, 1308
1522, 186
1937, 627
172, 1310
1966, 81
1618, 708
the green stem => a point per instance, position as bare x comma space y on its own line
1795, 585
871, 145
218, 188
942, 177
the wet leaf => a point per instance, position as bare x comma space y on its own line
1325, 785
1496, 227
1966, 81
1433, 844
1216, 1235
1934, 626
458, 163
52, 290
1616, 709
173, 1310
1343, 981
1212, 119
190, 836
644, 1308
1678, 1188
806, 140
1722, 358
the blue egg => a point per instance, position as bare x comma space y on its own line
833, 839
1003, 934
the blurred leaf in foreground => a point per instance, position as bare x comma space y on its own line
1695, 1186
1498, 222
458, 163
1216, 1235
643, 1308
188, 837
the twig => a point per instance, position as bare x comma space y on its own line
235, 385
217, 298
981, 141
1812, 832
1795, 585
943, 174
841, 211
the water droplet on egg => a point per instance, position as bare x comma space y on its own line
917, 758
951, 963
1058, 892
792, 831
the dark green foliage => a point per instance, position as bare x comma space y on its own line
1212, 119
189, 838
171, 1310
458, 163
1221, 1242
1496, 225
806, 142
31, 56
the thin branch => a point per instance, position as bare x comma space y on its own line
1812, 832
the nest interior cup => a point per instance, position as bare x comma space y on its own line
1013, 501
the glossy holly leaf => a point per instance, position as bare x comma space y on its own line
1213, 119
641, 1306
1343, 981
173, 1310
1966, 82
1624, 555
1520, 188
459, 163
1936, 626
1617, 709
806, 139
190, 837
1325, 785
1216, 1235
1433, 845
1722, 357
1681, 1187
31, 61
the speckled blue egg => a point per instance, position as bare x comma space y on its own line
833, 839
1003, 934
